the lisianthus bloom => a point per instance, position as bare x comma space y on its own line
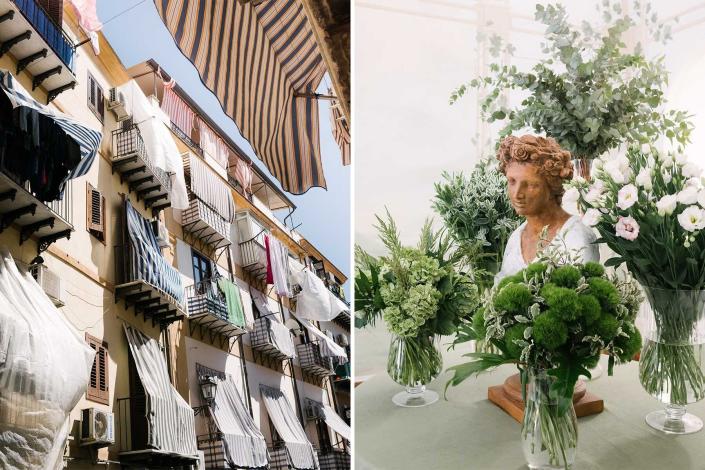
627, 228
571, 196
667, 176
691, 170
701, 198
681, 159
591, 217
595, 193
692, 218
667, 161
618, 169
645, 148
666, 205
627, 196
643, 179
688, 196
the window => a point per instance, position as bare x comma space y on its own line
95, 98
54, 9
98, 385
95, 212
202, 269
323, 436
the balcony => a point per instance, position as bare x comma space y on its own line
131, 426
208, 312
254, 257
312, 361
203, 224
133, 163
47, 222
272, 338
343, 318
334, 459
342, 371
278, 458
40, 46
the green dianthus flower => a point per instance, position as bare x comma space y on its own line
629, 345
535, 270
513, 333
592, 269
566, 276
563, 302
590, 309
509, 279
549, 331
513, 298
605, 292
606, 327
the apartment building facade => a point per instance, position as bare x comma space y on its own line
158, 255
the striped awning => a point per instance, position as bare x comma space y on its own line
263, 64
209, 187
341, 130
87, 139
171, 426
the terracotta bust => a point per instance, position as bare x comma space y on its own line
536, 168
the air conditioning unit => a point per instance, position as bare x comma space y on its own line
313, 410
97, 427
116, 103
50, 282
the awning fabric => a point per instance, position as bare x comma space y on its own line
336, 423
279, 333
329, 348
341, 131
256, 59
60, 166
316, 301
299, 449
162, 151
170, 420
45, 367
210, 189
245, 446
178, 111
148, 264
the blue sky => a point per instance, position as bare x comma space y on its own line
324, 215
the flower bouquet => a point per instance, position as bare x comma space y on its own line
553, 320
648, 208
420, 295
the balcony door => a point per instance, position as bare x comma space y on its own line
202, 267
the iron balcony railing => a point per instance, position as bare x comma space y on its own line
52, 33
312, 360
333, 459
128, 142
205, 297
63, 207
186, 139
262, 339
197, 213
254, 256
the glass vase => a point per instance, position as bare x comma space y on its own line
414, 362
671, 366
549, 431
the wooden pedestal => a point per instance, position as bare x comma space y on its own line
508, 397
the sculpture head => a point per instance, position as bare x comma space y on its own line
536, 168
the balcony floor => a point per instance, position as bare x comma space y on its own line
216, 324
149, 301
201, 230
48, 224
152, 458
18, 25
143, 181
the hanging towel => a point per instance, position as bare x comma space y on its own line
243, 174
279, 258
88, 20
270, 273
236, 315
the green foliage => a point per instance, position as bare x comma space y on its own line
482, 363
513, 298
592, 269
605, 292
630, 344
550, 331
590, 93
513, 333
566, 276
590, 308
478, 323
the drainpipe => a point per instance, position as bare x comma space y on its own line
245, 378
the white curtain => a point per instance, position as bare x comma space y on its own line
298, 447
245, 446
45, 367
336, 423
316, 301
153, 124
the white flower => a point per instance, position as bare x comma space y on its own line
691, 170
667, 162
627, 228
594, 195
650, 161
571, 196
627, 197
618, 169
692, 218
701, 198
688, 196
681, 159
666, 205
643, 179
667, 176
592, 217
645, 148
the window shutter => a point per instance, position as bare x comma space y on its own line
99, 103
98, 387
54, 9
95, 212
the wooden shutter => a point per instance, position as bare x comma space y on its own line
95, 98
98, 387
95, 212
100, 107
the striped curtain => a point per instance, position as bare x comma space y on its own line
177, 110
256, 59
210, 189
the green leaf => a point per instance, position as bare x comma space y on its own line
484, 362
566, 377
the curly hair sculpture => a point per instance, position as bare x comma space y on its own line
553, 163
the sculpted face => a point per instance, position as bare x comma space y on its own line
529, 192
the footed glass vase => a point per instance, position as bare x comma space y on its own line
549, 431
414, 362
672, 362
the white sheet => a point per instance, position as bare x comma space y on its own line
45, 367
329, 348
316, 301
336, 423
279, 257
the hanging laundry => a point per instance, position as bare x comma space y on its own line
267, 249
315, 301
279, 260
243, 175
176, 108
236, 314
88, 20
213, 145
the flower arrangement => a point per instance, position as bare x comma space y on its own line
478, 215
649, 208
418, 293
590, 94
556, 318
